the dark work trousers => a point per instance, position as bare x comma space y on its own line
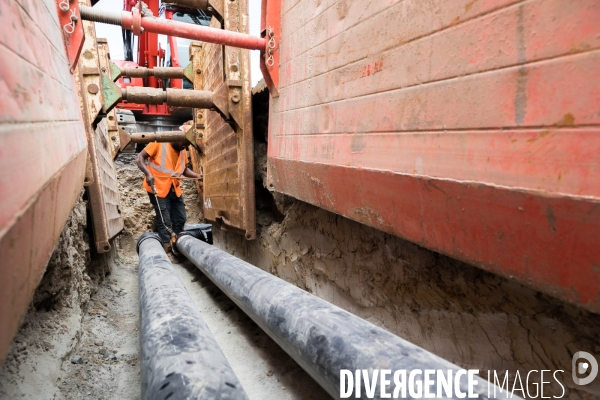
173, 212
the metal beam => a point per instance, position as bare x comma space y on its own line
135, 22
158, 72
164, 136
173, 97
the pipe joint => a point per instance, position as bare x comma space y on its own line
158, 72
146, 236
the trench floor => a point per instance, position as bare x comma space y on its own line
112, 325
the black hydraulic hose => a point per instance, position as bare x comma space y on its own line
180, 358
321, 337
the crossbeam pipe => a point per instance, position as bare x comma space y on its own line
158, 72
162, 136
172, 97
134, 21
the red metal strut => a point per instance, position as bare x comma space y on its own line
173, 28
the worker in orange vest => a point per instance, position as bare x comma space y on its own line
164, 164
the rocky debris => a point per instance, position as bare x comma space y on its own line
106, 375
76, 360
74, 270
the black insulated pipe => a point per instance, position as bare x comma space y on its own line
321, 337
180, 358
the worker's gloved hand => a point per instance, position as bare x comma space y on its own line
150, 180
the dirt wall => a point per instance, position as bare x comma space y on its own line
52, 326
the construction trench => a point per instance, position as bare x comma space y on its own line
408, 192
86, 308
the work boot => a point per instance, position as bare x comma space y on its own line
175, 256
172, 257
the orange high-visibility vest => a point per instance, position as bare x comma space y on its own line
166, 166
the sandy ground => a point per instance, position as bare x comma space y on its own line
87, 306
470, 317
52, 328
263, 368
110, 326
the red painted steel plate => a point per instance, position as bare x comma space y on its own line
69, 20
43, 151
471, 128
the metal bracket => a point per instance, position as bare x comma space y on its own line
216, 7
194, 73
269, 57
124, 139
190, 135
136, 28
69, 19
89, 66
221, 101
115, 71
111, 93
189, 72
